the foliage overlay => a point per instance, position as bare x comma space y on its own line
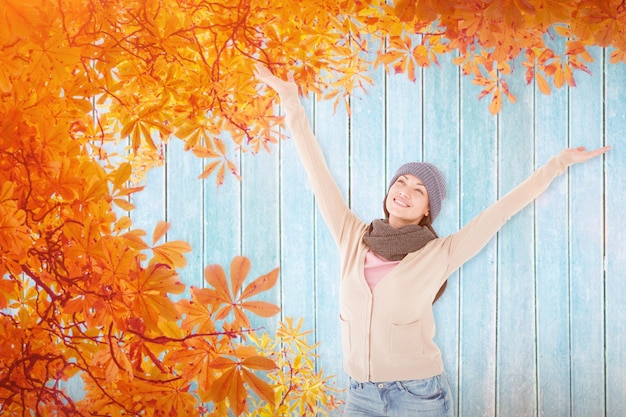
82, 293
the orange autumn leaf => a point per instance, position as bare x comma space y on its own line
172, 253
224, 302
262, 283
542, 83
260, 308
216, 277
239, 268
149, 294
91, 99
258, 363
262, 388
160, 230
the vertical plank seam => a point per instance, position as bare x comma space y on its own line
569, 257
314, 274
281, 287
536, 289
349, 156
497, 269
604, 233
386, 128
457, 403
166, 169
203, 232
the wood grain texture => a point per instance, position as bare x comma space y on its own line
477, 168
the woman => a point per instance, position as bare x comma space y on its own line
393, 269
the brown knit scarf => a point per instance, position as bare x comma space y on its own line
394, 244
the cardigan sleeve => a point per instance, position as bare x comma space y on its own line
329, 199
473, 237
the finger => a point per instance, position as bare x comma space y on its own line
261, 70
260, 67
600, 151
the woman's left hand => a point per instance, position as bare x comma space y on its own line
577, 155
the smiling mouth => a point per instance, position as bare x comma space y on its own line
401, 202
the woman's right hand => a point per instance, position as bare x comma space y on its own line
284, 88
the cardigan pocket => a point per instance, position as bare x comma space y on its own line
406, 339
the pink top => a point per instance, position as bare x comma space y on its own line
376, 267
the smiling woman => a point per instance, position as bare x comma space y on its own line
393, 268
415, 194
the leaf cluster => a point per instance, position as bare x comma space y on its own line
149, 71
301, 389
82, 293
488, 37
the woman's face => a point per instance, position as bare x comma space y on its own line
407, 201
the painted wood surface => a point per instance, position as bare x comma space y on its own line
535, 324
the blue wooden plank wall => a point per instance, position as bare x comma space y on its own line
535, 325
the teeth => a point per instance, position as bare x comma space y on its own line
401, 202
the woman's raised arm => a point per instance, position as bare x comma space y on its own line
470, 240
329, 199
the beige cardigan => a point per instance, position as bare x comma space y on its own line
387, 333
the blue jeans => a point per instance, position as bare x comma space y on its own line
429, 397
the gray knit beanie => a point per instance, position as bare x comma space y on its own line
433, 181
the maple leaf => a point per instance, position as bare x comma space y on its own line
148, 293
234, 302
